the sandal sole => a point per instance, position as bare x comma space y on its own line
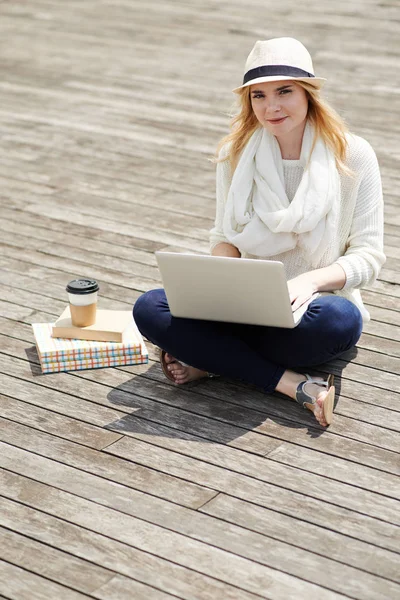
329, 404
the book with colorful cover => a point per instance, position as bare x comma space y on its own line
60, 349
79, 365
57, 354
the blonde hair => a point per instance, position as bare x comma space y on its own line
327, 124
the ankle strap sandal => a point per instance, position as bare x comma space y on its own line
304, 398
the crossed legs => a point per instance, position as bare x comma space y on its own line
262, 356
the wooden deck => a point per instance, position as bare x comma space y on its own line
115, 484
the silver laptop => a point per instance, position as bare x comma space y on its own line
234, 290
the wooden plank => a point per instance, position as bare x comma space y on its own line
14, 311
159, 132
66, 39
380, 379
24, 412
62, 448
389, 275
67, 265
367, 402
391, 249
386, 316
255, 407
391, 263
84, 412
385, 288
53, 230
230, 431
298, 481
188, 494
375, 298
22, 298
376, 360
382, 330
122, 588
392, 230
78, 254
204, 427
145, 125
377, 344
276, 524
379, 361
101, 549
20, 584
27, 290
93, 247
164, 436
51, 563
13, 270
183, 550
274, 551
82, 147
134, 229
134, 187
264, 493
156, 219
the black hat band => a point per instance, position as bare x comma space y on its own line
273, 70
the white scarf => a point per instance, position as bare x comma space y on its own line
260, 220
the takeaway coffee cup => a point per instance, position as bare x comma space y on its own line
82, 294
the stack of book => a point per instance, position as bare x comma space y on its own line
69, 353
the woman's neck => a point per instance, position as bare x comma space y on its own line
290, 144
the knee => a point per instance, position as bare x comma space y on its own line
146, 307
353, 322
340, 318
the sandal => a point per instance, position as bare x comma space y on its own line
168, 374
164, 367
303, 398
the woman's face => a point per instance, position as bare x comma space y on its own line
280, 106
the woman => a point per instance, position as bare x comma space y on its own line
292, 185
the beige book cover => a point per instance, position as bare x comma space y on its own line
109, 326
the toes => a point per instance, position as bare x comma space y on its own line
182, 373
169, 358
176, 369
319, 412
178, 372
321, 401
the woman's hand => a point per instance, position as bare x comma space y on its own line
301, 289
327, 279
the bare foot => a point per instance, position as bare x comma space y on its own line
289, 383
320, 393
182, 373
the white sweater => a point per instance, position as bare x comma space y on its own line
358, 245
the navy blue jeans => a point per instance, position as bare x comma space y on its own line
254, 354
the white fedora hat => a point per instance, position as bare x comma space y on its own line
279, 59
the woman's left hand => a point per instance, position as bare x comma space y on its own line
326, 279
301, 289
